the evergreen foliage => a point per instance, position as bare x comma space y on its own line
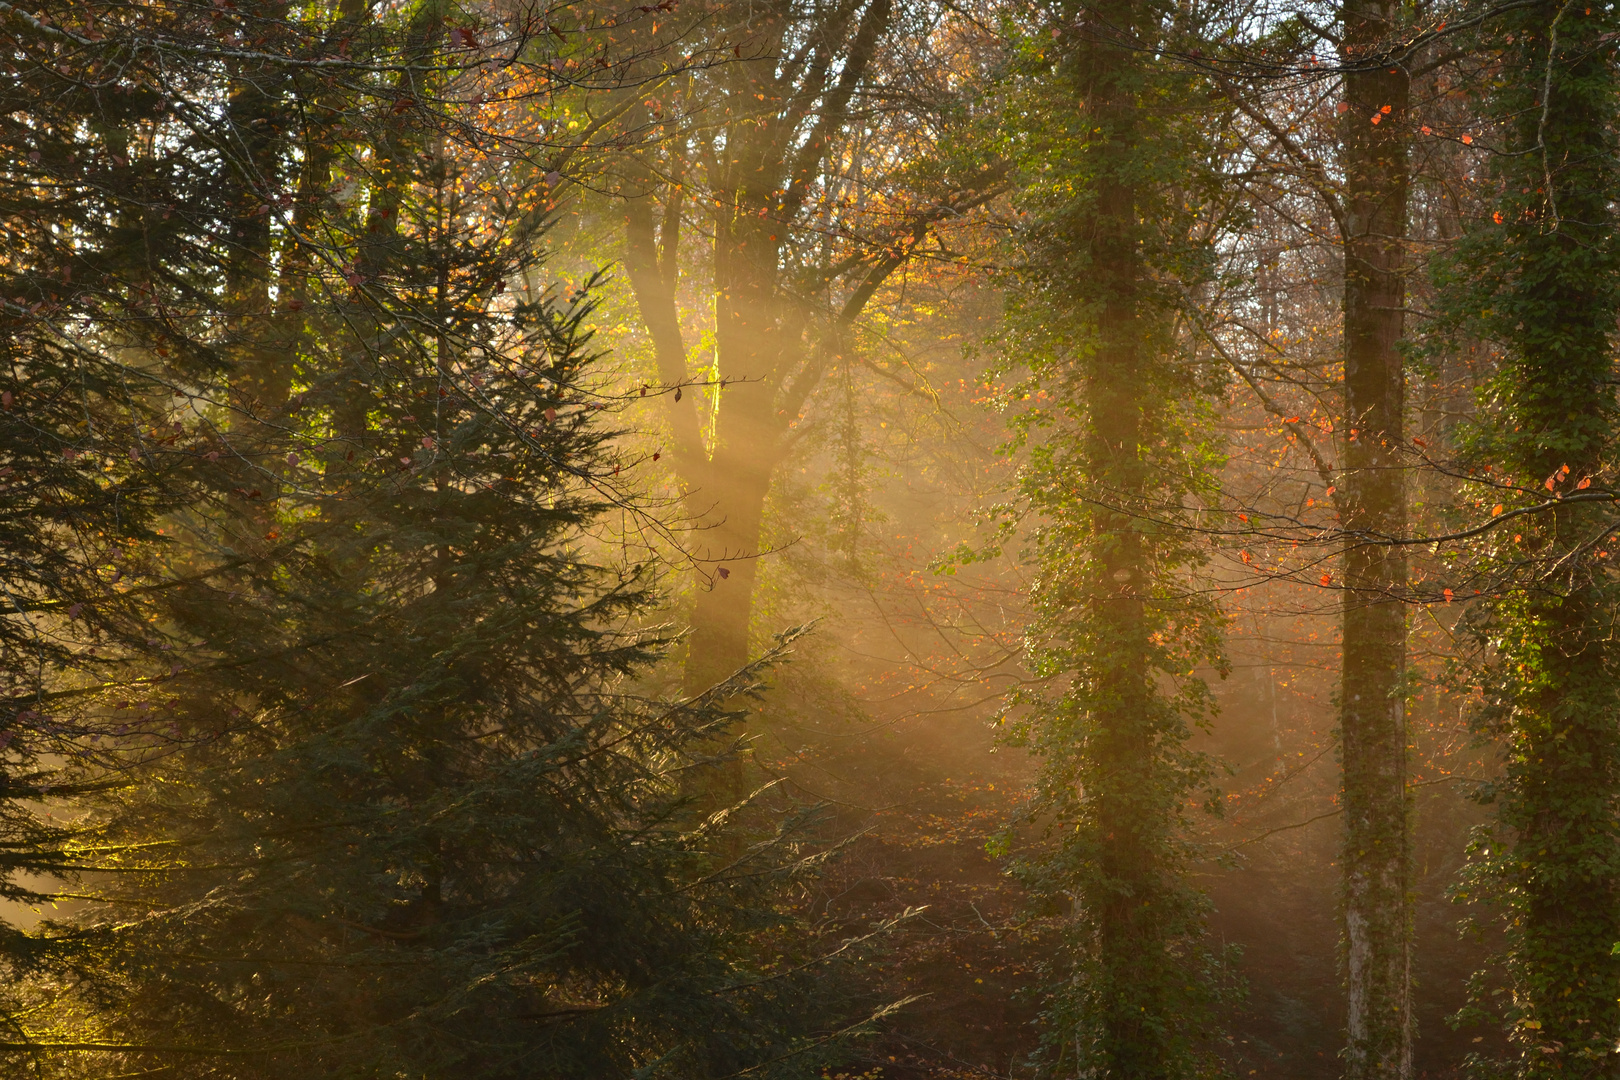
378, 795
328, 645
91, 450
418, 824
1541, 284
1118, 463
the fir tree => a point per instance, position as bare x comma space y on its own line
386, 799
94, 443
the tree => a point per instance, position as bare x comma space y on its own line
1540, 284
773, 153
1118, 462
93, 450
420, 822
1377, 837
386, 796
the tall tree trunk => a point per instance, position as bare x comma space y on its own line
1553, 274
725, 487
720, 618
1372, 698
1129, 926
1377, 843
1114, 624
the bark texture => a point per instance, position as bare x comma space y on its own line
1377, 842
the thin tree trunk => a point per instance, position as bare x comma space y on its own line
1377, 843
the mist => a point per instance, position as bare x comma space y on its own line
860, 540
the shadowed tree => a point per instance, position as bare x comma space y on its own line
1118, 171
1376, 859
1540, 284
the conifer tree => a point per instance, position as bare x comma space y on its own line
1118, 460
379, 796
93, 447
418, 824
1540, 283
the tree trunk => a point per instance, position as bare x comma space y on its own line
1115, 770
759, 180
1556, 679
1129, 923
1377, 844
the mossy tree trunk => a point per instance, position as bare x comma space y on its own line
1377, 841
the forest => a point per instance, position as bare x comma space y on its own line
826, 539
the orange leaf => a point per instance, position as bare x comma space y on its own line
1327, 579
1447, 594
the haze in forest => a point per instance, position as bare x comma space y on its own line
842, 539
